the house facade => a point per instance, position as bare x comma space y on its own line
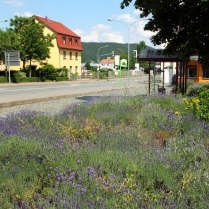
67, 48
107, 63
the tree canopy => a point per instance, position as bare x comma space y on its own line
8, 41
179, 24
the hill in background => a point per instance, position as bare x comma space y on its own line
90, 50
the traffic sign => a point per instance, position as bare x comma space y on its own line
12, 58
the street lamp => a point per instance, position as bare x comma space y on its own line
128, 28
3, 20
98, 58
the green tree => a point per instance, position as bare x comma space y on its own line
140, 46
181, 25
88, 66
8, 41
34, 45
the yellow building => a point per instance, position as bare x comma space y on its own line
67, 46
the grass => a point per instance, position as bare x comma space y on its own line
115, 152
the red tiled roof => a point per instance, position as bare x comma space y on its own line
61, 30
108, 61
56, 26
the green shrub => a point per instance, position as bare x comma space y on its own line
53, 76
3, 79
192, 90
20, 74
25, 79
199, 104
64, 78
47, 71
62, 72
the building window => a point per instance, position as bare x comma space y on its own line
64, 54
76, 69
76, 55
76, 42
70, 41
192, 71
205, 73
71, 55
64, 40
70, 69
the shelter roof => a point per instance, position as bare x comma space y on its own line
156, 55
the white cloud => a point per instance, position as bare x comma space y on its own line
100, 33
109, 33
25, 14
13, 2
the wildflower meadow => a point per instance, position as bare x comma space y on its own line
125, 152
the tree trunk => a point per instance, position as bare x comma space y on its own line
30, 69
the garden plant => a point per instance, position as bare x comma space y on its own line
122, 152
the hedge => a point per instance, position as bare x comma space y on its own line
63, 78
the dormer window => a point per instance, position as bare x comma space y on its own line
70, 41
64, 40
76, 42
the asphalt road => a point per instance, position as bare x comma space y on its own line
16, 94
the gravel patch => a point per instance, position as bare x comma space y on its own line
53, 107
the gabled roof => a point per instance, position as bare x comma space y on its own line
57, 27
107, 61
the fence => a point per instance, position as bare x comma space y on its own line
111, 74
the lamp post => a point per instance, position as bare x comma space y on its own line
128, 28
3, 20
98, 58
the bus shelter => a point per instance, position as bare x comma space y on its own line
158, 56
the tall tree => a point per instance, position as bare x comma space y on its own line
179, 24
8, 41
140, 46
34, 45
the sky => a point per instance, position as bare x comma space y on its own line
87, 18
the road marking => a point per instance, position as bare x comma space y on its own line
38, 88
75, 85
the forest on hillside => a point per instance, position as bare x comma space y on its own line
90, 50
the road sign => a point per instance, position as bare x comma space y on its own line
117, 60
12, 58
123, 62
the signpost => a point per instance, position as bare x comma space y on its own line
12, 58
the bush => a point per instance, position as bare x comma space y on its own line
62, 72
64, 78
3, 79
20, 74
47, 71
199, 104
24, 79
193, 90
